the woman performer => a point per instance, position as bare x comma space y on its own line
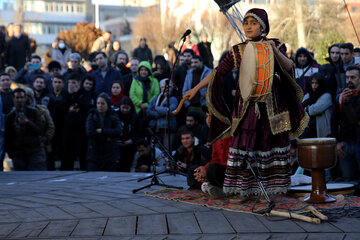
261, 128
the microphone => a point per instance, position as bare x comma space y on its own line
186, 33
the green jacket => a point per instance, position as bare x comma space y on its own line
136, 89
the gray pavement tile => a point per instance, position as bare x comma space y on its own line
20, 203
79, 211
131, 208
59, 228
327, 236
348, 225
8, 217
166, 209
28, 215
352, 236
90, 227
152, 224
278, 224
105, 209
245, 222
324, 227
8, 207
180, 223
213, 222
26, 230
121, 226
53, 213
6, 229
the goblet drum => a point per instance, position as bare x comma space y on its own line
317, 154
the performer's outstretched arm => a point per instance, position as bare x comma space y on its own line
285, 62
192, 92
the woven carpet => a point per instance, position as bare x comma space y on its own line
282, 202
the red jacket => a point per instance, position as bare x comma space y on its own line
220, 152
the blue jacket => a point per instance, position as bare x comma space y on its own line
104, 84
188, 82
157, 114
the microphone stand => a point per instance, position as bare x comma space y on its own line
154, 179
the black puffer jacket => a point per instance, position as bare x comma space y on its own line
103, 146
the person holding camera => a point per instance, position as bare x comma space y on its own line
345, 125
30, 71
23, 135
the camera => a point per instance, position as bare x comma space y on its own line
355, 92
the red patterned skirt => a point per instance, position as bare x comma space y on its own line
268, 154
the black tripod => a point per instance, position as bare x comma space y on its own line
154, 179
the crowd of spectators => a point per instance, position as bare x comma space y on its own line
96, 111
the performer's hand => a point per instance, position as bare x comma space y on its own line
340, 152
190, 94
200, 174
272, 44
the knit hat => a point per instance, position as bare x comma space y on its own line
261, 16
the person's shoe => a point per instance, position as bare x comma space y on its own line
216, 192
205, 187
239, 199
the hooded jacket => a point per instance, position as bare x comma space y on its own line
303, 73
136, 89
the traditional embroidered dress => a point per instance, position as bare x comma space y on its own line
261, 130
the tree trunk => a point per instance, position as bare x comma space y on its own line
19, 14
300, 23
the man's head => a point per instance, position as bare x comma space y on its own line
356, 52
302, 59
11, 71
204, 37
346, 52
19, 98
187, 139
5, 82
121, 57
134, 65
191, 119
10, 29
74, 82
29, 95
197, 63
101, 60
353, 77
39, 83
106, 36
334, 52
58, 83
143, 147
35, 62
17, 30
142, 42
181, 59
188, 55
75, 60
54, 68
89, 83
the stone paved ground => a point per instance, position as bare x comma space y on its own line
89, 205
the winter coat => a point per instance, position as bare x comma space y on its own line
103, 146
322, 110
60, 57
188, 82
136, 89
23, 139
104, 84
18, 51
143, 54
157, 112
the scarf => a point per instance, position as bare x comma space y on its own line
145, 85
115, 100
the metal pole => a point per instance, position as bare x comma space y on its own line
97, 15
